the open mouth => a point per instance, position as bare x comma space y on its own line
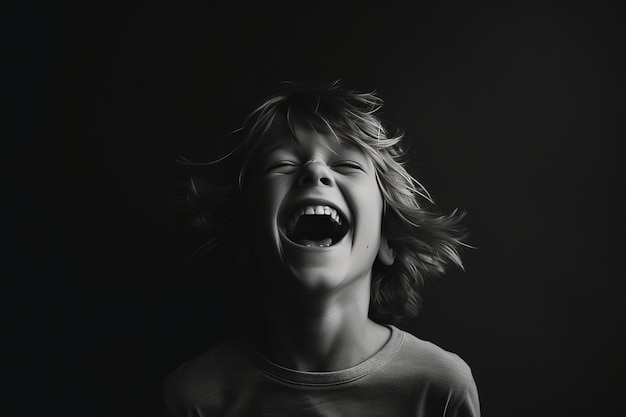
316, 226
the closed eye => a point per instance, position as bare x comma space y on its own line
282, 166
348, 166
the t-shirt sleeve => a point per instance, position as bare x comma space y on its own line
468, 405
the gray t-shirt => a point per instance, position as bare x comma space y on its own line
407, 377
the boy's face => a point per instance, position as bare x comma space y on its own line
314, 209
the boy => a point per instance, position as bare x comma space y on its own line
338, 236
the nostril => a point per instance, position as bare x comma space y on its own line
307, 180
315, 174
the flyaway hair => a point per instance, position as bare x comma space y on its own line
425, 241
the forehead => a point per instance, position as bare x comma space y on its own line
305, 139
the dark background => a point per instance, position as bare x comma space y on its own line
515, 112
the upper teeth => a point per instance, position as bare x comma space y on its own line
317, 211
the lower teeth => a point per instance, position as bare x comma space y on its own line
324, 243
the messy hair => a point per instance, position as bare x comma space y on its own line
425, 241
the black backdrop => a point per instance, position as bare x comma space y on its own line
515, 113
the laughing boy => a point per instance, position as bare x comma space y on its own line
339, 238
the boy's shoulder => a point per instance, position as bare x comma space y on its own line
420, 360
209, 373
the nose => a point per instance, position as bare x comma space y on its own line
315, 173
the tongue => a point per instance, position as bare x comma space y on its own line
322, 242
317, 231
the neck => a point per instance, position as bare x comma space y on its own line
326, 332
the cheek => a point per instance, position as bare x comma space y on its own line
369, 201
374, 215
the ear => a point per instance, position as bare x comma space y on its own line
386, 254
